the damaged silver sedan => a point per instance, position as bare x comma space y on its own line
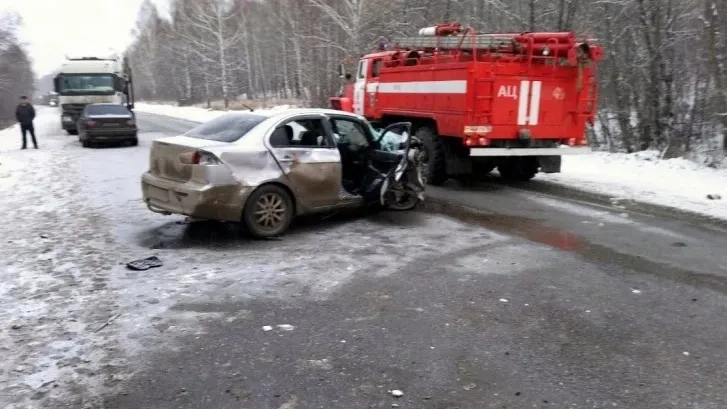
263, 168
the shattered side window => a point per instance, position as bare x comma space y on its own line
350, 133
391, 142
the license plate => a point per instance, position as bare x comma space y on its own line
158, 193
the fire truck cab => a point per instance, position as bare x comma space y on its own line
517, 102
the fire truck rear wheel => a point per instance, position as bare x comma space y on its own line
518, 169
435, 168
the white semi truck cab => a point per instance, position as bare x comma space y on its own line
91, 80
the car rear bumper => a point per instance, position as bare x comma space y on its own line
110, 134
223, 203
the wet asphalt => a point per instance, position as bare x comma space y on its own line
551, 302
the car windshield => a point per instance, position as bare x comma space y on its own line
226, 128
108, 110
80, 84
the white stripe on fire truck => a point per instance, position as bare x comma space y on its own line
522, 110
423, 87
535, 103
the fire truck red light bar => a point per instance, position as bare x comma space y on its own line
423, 87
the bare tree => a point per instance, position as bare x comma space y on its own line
209, 34
16, 73
663, 81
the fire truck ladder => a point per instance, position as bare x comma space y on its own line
462, 41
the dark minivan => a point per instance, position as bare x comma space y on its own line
107, 123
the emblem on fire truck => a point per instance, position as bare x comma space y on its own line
558, 93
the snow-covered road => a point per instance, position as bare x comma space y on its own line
537, 300
74, 217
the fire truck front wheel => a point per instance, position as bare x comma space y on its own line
434, 169
518, 169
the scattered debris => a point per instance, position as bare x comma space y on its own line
685, 353
679, 244
43, 236
714, 196
469, 386
503, 299
286, 327
635, 291
106, 324
397, 393
394, 405
267, 328
290, 404
144, 263
44, 384
16, 326
324, 364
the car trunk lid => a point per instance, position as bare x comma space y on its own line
110, 121
169, 158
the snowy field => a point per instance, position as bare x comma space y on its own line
642, 176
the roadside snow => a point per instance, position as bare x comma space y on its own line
643, 177
194, 114
54, 271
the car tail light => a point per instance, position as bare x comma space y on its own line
204, 158
90, 123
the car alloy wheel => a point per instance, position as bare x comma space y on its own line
270, 211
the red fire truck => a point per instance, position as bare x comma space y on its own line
479, 101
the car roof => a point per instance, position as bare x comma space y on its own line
281, 113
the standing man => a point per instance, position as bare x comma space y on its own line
25, 113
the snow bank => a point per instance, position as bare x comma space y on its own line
194, 114
641, 176
644, 177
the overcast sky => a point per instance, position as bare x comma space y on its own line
54, 28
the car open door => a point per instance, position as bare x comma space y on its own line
387, 166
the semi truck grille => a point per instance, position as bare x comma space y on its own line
73, 108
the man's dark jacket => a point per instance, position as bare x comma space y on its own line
25, 114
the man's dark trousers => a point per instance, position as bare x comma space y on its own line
25, 128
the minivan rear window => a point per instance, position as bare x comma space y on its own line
109, 109
226, 128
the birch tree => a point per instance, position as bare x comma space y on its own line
16, 73
207, 30
663, 83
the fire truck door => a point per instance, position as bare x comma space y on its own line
359, 90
